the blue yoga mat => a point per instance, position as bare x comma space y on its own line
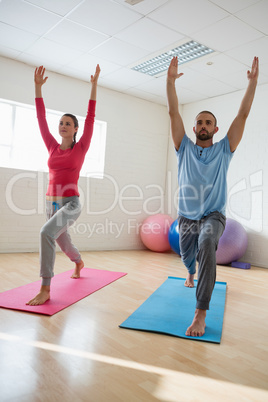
170, 310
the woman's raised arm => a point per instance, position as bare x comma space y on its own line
94, 83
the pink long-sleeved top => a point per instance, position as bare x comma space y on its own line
65, 165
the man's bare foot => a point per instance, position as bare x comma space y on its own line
197, 328
189, 283
41, 298
77, 270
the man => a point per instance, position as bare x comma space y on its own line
202, 173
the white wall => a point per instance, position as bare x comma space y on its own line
135, 166
247, 176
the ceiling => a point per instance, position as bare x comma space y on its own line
71, 36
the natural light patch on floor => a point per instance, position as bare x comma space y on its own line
170, 383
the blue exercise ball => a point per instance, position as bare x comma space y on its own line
174, 237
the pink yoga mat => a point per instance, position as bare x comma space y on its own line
64, 291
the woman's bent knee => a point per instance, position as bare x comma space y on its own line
46, 233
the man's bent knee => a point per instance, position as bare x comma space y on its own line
207, 243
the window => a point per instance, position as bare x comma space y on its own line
20, 135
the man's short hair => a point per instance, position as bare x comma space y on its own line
207, 111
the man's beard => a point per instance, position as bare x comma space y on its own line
206, 135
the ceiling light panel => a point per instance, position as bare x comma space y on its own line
133, 2
187, 52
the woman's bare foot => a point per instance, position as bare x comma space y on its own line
77, 270
197, 328
41, 298
189, 283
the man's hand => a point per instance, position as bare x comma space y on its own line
177, 127
254, 73
173, 70
236, 129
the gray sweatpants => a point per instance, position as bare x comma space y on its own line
60, 215
199, 242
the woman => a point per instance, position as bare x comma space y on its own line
62, 199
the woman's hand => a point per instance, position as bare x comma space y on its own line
94, 78
39, 76
94, 81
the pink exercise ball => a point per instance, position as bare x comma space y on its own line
154, 232
232, 244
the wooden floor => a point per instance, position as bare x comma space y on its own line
80, 354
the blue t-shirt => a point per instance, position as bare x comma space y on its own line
202, 177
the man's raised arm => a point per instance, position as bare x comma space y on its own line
236, 129
177, 127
